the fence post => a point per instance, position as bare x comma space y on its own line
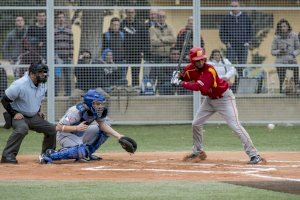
197, 43
50, 61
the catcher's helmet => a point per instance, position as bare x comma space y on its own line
197, 54
91, 96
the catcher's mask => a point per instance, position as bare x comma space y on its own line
95, 101
37, 68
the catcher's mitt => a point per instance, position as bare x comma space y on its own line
128, 144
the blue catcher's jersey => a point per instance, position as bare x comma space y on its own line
79, 113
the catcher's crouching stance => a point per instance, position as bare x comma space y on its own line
83, 129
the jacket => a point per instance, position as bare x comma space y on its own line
115, 42
205, 80
224, 69
161, 39
236, 29
12, 47
286, 49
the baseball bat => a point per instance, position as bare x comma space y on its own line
184, 46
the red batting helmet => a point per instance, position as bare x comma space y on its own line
197, 53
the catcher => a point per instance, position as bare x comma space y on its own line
83, 129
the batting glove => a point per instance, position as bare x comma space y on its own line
175, 81
175, 74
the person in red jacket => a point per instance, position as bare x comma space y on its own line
201, 76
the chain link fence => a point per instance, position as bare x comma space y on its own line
130, 48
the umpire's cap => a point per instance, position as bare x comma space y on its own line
38, 67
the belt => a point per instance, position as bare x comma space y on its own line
28, 116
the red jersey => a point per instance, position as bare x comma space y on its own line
205, 80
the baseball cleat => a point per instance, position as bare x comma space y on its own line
257, 160
195, 156
43, 159
94, 157
88, 159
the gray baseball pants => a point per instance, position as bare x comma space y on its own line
226, 106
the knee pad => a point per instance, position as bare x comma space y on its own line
76, 152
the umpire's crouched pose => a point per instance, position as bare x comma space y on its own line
22, 100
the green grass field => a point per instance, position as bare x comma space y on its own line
157, 138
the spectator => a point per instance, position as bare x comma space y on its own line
236, 33
285, 47
12, 47
114, 40
36, 39
26, 58
63, 37
3, 81
111, 76
164, 75
87, 77
161, 39
153, 15
223, 67
181, 36
134, 42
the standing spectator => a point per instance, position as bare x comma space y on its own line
285, 47
3, 81
223, 67
63, 37
114, 40
181, 36
161, 38
153, 15
134, 42
26, 58
236, 33
36, 39
22, 101
12, 47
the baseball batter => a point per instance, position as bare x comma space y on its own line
200, 76
82, 130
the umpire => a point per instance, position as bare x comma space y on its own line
22, 101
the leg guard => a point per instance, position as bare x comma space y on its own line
102, 137
77, 152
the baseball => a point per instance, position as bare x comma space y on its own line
271, 126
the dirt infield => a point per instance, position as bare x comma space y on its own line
153, 166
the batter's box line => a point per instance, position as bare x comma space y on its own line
284, 161
254, 173
106, 168
244, 166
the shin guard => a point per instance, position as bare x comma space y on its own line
77, 152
